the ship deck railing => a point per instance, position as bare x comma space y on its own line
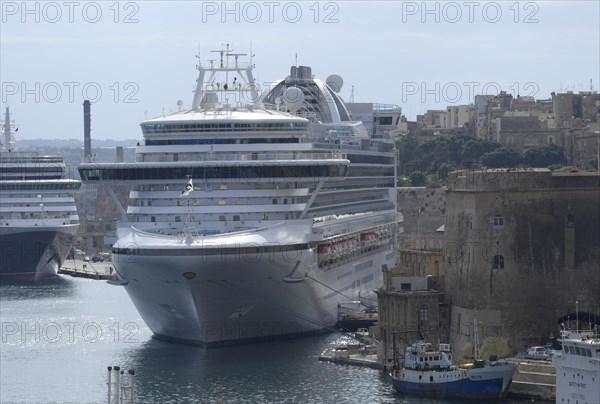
243, 157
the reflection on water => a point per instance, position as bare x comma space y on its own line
57, 286
282, 371
59, 337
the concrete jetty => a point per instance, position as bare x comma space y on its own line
88, 269
358, 359
534, 379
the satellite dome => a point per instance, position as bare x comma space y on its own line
210, 100
335, 81
293, 98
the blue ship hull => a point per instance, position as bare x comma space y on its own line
32, 255
459, 389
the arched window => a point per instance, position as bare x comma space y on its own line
498, 262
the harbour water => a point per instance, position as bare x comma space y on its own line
59, 337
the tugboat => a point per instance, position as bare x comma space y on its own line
431, 373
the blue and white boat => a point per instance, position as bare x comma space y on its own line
431, 373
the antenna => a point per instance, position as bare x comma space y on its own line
475, 338
296, 60
251, 54
199, 56
351, 95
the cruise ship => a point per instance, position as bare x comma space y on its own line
251, 216
578, 367
38, 217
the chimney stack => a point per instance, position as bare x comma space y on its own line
87, 121
120, 158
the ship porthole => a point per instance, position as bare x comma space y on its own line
189, 275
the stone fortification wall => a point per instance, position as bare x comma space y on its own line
525, 243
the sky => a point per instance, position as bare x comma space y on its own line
136, 59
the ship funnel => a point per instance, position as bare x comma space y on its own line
301, 73
87, 124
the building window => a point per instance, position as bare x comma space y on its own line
405, 286
178, 218
550, 139
223, 187
424, 314
498, 262
238, 201
274, 201
153, 219
165, 187
222, 218
385, 120
195, 202
221, 202
236, 218
498, 222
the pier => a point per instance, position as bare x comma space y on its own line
357, 359
88, 269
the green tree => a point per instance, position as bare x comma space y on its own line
544, 156
446, 168
406, 147
501, 157
474, 149
440, 149
418, 179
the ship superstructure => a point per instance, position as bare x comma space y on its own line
38, 216
252, 219
578, 367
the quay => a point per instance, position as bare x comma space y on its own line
88, 269
534, 379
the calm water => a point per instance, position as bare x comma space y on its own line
58, 338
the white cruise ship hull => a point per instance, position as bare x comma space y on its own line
242, 294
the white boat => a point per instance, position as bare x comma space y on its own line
578, 367
249, 217
38, 216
